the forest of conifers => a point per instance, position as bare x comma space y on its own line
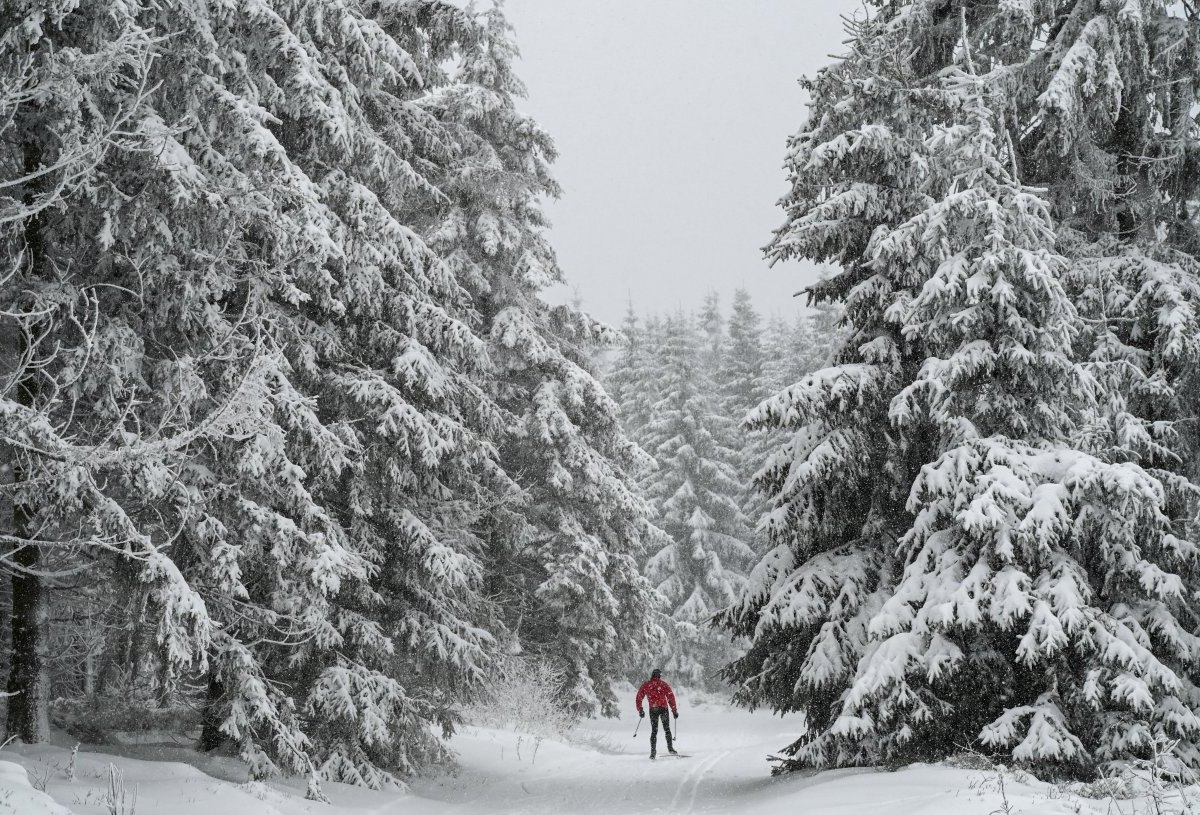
295, 454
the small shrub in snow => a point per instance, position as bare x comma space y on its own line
263, 792
993, 784
120, 800
314, 791
70, 771
525, 696
99, 721
598, 742
970, 760
1157, 784
1160, 779
38, 779
1106, 786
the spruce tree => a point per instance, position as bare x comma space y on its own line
819, 333
742, 376
262, 412
89, 170
563, 549
629, 379
743, 386
961, 557
781, 365
697, 491
793, 348
711, 323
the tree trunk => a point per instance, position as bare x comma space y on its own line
211, 736
28, 716
89, 664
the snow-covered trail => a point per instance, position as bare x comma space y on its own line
609, 771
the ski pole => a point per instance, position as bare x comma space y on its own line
639, 727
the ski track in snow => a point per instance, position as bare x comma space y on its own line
691, 783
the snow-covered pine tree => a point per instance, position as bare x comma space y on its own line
950, 566
695, 488
295, 423
742, 382
562, 553
797, 347
385, 345
633, 380
791, 349
711, 323
741, 375
90, 462
628, 380
820, 334
645, 389
1126, 204
781, 361
151, 225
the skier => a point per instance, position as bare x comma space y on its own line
659, 694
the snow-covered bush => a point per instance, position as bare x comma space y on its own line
1157, 784
525, 695
104, 719
120, 798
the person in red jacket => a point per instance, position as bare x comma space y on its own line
659, 694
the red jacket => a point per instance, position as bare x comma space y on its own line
658, 693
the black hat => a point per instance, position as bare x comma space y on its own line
656, 673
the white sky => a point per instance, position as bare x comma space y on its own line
670, 117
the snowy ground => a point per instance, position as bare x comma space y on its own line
602, 771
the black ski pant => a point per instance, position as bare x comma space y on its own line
655, 713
